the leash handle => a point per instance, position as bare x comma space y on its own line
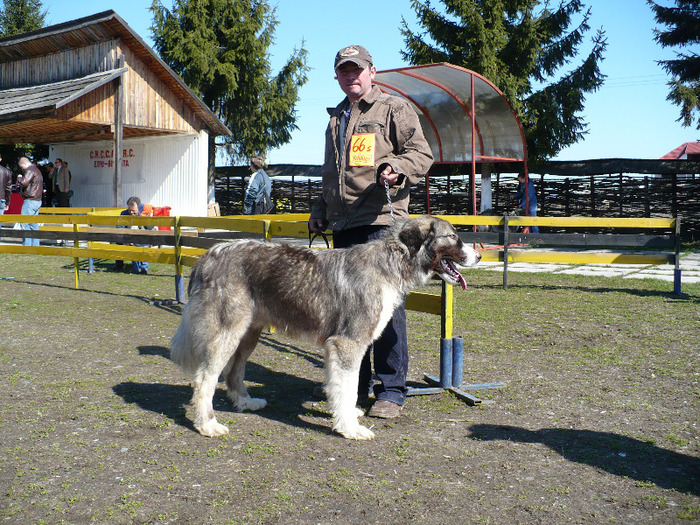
323, 236
391, 204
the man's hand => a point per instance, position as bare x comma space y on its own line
388, 175
318, 225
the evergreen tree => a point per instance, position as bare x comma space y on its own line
220, 49
522, 50
20, 16
683, 23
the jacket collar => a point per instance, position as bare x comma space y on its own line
369, 99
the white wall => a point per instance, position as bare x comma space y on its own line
162, 171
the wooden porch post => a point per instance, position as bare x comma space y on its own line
118, 137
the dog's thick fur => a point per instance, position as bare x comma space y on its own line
341, 299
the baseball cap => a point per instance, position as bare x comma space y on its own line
355, 54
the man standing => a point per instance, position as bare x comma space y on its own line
374, 141
32, 189
257, 195
49, 175
527, 198
62, 181
5, 188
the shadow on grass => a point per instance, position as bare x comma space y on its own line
314, 358
616, 454
310, 357
107, 265
285, 395
168, 400
169, 305
161, 351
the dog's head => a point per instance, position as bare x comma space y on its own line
435, 243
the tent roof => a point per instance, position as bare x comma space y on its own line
445, 97
685, 150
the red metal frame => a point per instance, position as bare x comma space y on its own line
470, 111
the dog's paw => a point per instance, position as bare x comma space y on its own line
360, 433
250, 403
212, 428
356, 432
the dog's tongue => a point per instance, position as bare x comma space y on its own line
454, 272
462, 282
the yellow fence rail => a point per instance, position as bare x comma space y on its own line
645, 241
172, 246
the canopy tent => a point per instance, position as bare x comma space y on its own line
465, 117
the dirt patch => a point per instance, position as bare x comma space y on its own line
597, 423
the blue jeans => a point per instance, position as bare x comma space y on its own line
139, 266
391, 349
30, 207
532, 212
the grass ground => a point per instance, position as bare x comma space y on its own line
597, 422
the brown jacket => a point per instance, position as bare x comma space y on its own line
5, 185
382, 129
32, 184
62, 179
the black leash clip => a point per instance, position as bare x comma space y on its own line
313, 236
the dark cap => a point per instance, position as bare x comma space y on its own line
355, 54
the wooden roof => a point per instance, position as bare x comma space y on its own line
38, 103
44, 100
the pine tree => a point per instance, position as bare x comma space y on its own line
523, 51
20, 16
220, 49
683, 23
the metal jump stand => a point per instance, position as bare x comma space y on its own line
451, 361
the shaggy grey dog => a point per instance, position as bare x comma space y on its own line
341, 299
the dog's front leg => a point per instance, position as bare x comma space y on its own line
343, 358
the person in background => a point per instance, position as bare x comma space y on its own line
48, 172
527, 201
58, 164
134, 207
5, 188
374, 146
258, 193
70, 183
62, 184
31, 185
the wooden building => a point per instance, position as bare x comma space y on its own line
109, 105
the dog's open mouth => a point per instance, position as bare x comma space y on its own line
452, 271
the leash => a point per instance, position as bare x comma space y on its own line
361, 201
391, 204
322, 234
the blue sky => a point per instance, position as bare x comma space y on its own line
628, 117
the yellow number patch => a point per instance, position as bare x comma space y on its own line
362, 149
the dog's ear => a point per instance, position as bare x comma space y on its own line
415, 232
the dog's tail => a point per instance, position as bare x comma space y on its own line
181, 346
182, 350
